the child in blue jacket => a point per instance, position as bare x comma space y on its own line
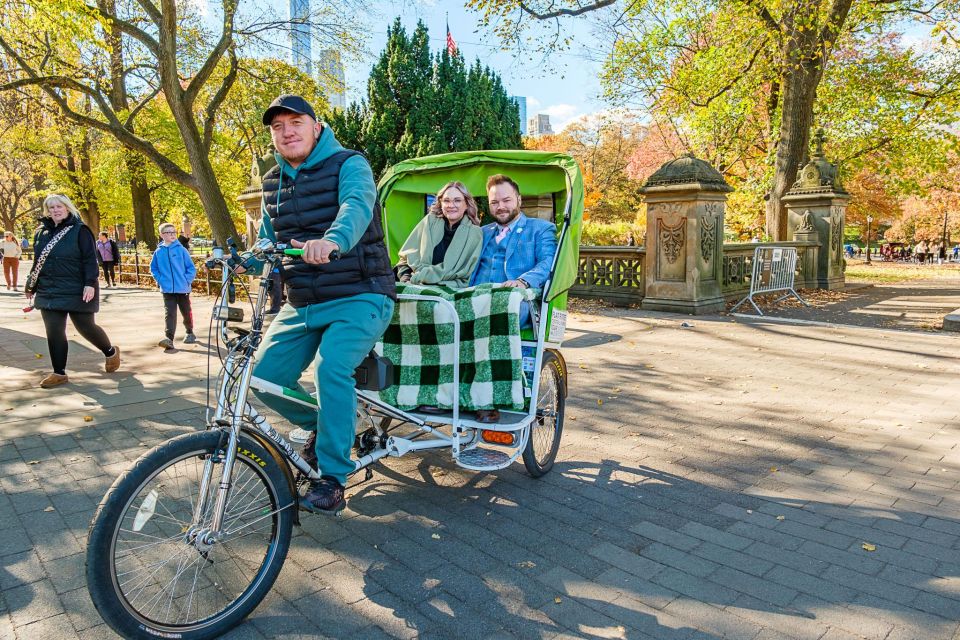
174, 272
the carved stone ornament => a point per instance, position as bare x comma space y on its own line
708, 237
261, 166
806, 223
818, 175
836, 237
672, 238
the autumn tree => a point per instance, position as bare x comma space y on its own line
121, 57
744, 81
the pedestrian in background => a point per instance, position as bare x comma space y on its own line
11, 259
63, 282
174, 272
108, 254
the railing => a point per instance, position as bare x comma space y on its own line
738, 265
611, 273
616, 274
135, 269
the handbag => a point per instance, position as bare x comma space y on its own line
30, 286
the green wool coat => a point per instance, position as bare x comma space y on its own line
459, 262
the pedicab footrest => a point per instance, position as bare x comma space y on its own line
482, 459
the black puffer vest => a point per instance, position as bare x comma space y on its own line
307, 207
61, 281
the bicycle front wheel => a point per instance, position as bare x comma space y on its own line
151, 570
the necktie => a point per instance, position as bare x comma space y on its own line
503, 234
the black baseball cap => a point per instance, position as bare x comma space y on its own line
288, 102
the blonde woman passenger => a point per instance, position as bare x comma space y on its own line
444, 247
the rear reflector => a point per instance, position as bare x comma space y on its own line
497, 437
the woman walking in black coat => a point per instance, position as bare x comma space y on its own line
63, 282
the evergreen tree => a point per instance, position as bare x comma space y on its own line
421, 104
348, 125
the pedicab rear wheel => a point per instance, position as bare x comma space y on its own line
545, 431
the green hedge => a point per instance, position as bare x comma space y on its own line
610, 234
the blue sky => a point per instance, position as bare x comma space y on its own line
569, 90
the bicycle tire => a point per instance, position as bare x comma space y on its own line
110, 561
543, 440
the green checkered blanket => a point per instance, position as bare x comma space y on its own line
419, 342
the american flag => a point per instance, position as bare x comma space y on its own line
451, 43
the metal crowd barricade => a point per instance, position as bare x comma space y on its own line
774, 269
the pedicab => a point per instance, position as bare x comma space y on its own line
190, 539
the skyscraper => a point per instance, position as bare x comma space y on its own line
540, 125
522, 108
300, 36
332, 79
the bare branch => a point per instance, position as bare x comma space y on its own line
210, 64
764, 14
128, 123
214, 105
128, 28
599, 4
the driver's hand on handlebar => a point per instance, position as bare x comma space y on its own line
316, 251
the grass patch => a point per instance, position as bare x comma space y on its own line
891, 272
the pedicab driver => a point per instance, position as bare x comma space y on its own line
322, 197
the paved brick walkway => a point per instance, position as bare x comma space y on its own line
716, 481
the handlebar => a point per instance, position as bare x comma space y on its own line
259, 251
334, 255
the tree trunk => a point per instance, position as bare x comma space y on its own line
144, 226
799, 86
211, 196
85, 188
143, 222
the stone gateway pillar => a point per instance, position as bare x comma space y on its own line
816, 210
685, 201
250, 197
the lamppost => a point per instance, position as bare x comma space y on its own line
869, 220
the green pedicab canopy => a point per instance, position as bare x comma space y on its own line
404, 187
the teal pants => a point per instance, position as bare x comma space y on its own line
338, 334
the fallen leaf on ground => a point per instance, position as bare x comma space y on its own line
866, 546
37, 356
773, 469
599, 402
557, 600
572, 417
49, 509
88, 418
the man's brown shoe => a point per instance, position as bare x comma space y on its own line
488, 416
53, 379
112, 363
